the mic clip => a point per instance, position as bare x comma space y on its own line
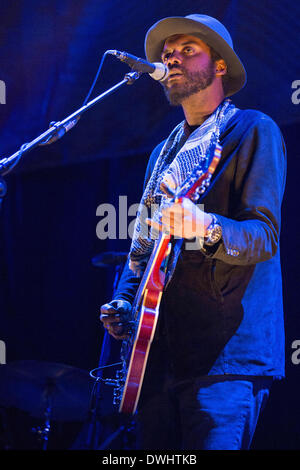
60, 130
131, 77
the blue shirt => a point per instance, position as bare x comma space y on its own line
222, 312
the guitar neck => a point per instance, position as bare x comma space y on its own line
162, 240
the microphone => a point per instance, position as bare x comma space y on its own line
156, 70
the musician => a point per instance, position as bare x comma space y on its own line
219, 342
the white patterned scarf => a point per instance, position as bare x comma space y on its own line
180, 154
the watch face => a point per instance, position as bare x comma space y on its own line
214, 235
217, 232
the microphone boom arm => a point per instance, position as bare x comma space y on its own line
5, 163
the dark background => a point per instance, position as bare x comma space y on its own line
50, 291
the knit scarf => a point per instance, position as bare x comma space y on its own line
179, 155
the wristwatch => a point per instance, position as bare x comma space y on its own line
213, 232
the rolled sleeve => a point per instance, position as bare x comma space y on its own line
251, 235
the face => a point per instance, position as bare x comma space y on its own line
190, 67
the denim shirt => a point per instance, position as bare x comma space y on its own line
222, 312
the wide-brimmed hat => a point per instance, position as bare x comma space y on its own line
209, 30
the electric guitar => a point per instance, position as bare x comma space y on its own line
145, 309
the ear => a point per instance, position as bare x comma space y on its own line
221, 67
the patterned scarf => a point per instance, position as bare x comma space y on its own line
176, 161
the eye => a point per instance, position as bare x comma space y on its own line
188, 50
165, 56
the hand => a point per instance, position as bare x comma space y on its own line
182, 219
115, 316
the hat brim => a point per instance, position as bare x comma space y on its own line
160, 31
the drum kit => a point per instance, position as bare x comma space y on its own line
48, 391
53, 391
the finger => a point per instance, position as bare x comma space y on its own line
108, 308
109, 315
174, 209
116, 328
117, 331
119, 337
160, 227
153, 224
109, 319
157, 227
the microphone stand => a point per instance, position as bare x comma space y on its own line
58, 129
126, 424
95, 428
3, 190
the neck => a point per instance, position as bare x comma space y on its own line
198, 107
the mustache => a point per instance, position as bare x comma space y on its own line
179, 68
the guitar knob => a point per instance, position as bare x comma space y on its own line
195, 197
116, 401
199, 191
117, 396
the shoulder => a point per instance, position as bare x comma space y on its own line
245, 119
156, 151
154, 156
152, 160
251, 124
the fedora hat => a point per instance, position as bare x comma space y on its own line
210, 31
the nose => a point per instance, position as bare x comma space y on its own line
173, 58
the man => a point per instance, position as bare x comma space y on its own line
219, 342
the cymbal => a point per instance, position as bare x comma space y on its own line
109, 258
27, 384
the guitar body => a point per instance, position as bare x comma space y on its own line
135, 350
147, 314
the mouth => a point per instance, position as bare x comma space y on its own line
174, 76
175, 71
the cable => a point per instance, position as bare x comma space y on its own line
95, 79
23, 147
103, 367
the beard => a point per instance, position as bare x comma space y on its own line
192, 83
